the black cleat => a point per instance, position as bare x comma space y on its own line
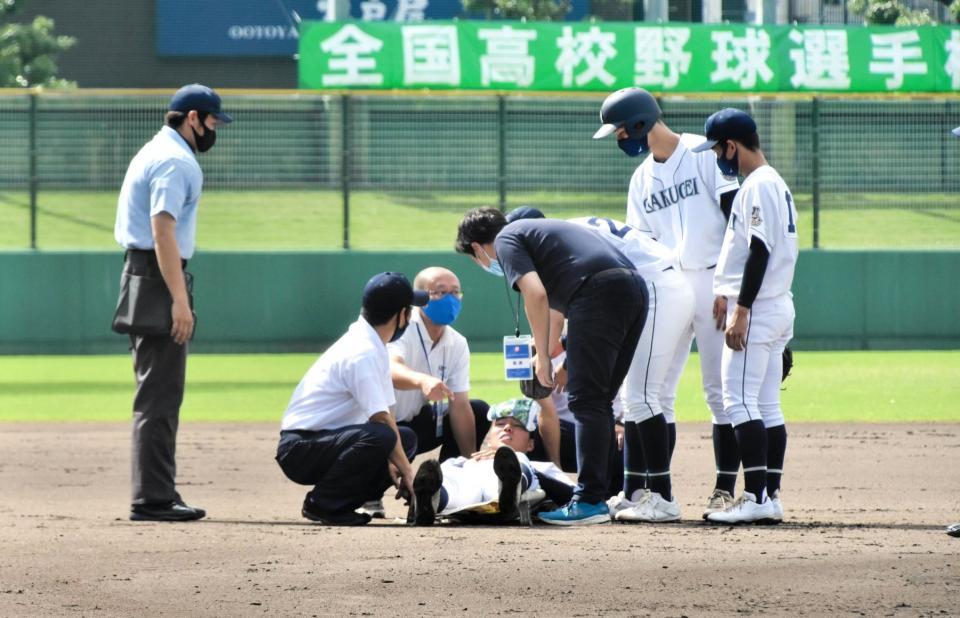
507, 468
426, 493
168, 511
343, 518
954, 530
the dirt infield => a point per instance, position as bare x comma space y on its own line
865, 507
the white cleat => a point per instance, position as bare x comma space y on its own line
619, 502
777, 507
746, 510
652, 509
373, 508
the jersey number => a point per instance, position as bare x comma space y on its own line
618, 232
791, 226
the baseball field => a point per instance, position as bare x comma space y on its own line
870, 483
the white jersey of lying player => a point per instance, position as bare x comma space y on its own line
677, 203
669, 312
470, 483
763, 209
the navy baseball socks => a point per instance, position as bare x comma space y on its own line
752, 441
776, 449
726, 454
655, 438
635, 466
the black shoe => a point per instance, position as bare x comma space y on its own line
507, 468
169, 511
342, 518
954, 530
426, 489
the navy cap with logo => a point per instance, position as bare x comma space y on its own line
200, 98
387, 293
726, 124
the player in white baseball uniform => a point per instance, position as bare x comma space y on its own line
752, 284
680, 199
647, 491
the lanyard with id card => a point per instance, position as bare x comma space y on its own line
518, 357
518, 349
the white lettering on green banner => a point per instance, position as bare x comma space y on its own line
675, 57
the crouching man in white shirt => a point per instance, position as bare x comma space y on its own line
338, 433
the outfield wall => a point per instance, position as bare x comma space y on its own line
62, 302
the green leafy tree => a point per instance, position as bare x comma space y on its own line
533, 10
28, 51
894, 12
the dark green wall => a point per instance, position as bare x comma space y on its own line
62, 302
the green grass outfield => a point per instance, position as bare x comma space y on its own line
308, 220
865, 387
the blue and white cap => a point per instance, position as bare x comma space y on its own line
956, 131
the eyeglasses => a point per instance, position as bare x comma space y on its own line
437, 294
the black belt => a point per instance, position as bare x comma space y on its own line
145, 259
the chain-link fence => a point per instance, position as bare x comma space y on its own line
305, 171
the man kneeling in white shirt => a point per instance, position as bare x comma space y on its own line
338, 432
502, 471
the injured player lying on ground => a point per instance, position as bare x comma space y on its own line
495, 484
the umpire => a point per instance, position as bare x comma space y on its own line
560, 265
156, 224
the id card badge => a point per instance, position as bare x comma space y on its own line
518, 357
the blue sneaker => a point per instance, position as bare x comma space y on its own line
577, 514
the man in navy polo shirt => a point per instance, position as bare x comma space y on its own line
560, 265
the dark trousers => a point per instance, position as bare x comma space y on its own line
604, 321
568, 455
424, 424
160, 365
348, 465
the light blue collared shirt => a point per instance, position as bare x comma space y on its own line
163, 177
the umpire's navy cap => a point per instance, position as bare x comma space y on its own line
726, 124
200, 98
387, 293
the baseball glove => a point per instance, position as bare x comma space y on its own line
533, 389
787, 362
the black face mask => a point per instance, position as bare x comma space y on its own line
206, 141
400, 329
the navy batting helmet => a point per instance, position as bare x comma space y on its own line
627, 108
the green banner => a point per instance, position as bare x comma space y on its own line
672, 57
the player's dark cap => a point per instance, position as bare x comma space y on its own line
387, 293
524, 212
627, 108
200, 98
726, 124
956, 131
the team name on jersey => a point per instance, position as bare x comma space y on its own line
669, 197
